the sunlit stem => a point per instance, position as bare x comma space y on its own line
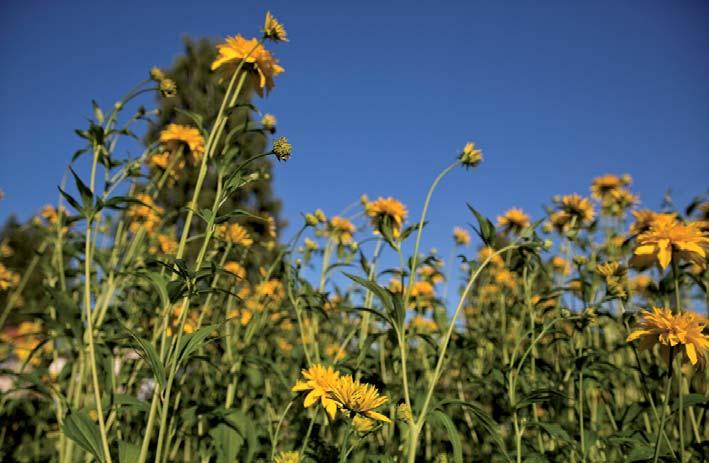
90, 323
414, 258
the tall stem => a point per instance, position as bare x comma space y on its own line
663, 414
90, 323
414, 258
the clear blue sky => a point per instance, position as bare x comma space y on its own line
377, 97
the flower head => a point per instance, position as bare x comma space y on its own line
359, 398
513, 220
319, 381
268, 121
235, 269
668, 239
643, 220
256, 59
341, 230
574, 211
287, 457
145, 214
282, 149
683, 330
604, 185
362, 424
273, 29
387, 212
461, 236
471, 156
8, 278
234, 233
175, 135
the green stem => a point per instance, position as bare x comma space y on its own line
663, 414
414, 258
90, 324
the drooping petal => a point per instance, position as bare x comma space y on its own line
311, 398
377, 416
691, 353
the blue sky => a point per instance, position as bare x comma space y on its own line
378, 97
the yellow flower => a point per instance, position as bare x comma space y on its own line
513, 220
235, 269
159, 161
643, 219
387, 211
8, 278
6, 250
287, 457
641, 282
611, 269
423, 289
431, 273
604, 185
166, 245
362, 424
403, 412
395, 285
616, 278
268, 121
25, 339
341, 230
255, 57
487, 252
310, 245
505, 278
670, 330
175, 135
50, 214
422, 325
574, 211
461, 236
471, 156
319, 381
271, 288
146, 214
561, 265
234, 233
282, 149
359, 398
669, 239
273, 29
335, 352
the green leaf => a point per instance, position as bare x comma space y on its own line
391, 302
131, 402
98, 114
127, 452
194, 117
483, 419
453, 436
554, 430
79, 428
191, 342
691, 400
486, 230
227, 441
70, 199
150, 355
87, 196
159, 283
539, 395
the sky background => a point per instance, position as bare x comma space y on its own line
378, 97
